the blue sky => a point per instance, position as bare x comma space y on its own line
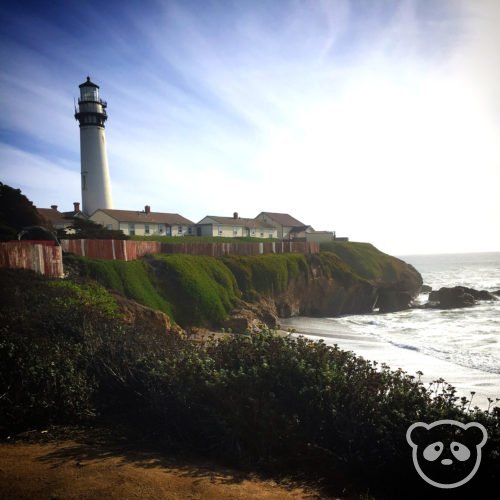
377, 119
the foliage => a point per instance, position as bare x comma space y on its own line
87, 229
16, 212
44, 326
284, 403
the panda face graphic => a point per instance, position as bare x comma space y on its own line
446, 453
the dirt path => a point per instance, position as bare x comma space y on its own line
93, 469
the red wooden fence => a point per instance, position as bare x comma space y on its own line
43, 257
133, 250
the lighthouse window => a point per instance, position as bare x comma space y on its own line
89, 94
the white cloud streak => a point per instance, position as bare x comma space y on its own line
382, 124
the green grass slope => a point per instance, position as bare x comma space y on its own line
370, 263
202, 290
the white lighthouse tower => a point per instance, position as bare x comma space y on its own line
91, 114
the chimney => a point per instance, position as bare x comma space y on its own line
147, 209
53, 207
235, 215
76, 206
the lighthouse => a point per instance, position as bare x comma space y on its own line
91, 115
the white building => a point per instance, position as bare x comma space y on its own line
234, 227
288, 228
145, 223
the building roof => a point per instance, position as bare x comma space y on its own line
284, 219
151, 217
88, 83
240, 221
75, 214
53, 215
299, 229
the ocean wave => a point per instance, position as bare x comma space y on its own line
405, 346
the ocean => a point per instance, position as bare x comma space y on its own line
460, 345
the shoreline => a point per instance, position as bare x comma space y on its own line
464, 379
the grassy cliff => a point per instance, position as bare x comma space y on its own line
202, 290
370, 263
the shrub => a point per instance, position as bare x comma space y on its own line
291, 402
284, 403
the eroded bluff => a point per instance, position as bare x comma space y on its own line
328, 285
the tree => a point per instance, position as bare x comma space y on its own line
87, 229
16, 213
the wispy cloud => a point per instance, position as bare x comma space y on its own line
348, 114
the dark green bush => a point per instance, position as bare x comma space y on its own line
284, 403
291, 403
46, 327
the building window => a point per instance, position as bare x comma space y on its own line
179, 230
270, 235
161, 228
168, 231
220, 230
190, 230
131, 229
146, 229
89, 93
262, 235
109, 227
253, 232
235, 231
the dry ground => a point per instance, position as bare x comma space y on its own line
90, 467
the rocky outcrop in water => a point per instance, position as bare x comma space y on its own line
455, 297
393, 300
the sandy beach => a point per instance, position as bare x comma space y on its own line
466, 380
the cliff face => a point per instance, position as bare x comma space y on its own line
345, 278
324, 296
353, 280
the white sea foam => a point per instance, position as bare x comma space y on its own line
460, 345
